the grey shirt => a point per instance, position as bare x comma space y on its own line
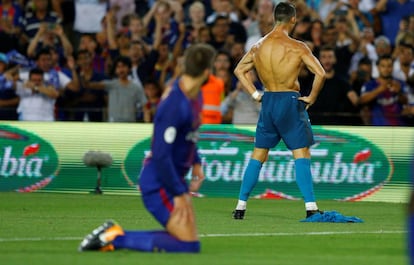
245, 109
125, 101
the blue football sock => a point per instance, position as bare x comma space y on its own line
304, 179
154, 241
250, 178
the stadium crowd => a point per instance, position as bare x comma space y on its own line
97, 60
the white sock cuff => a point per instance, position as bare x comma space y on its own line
311, 206
241, 205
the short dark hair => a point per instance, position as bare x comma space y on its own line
43, 51
124, 60
327, 48
223, 52
406, 45
197, 58
284, 12
81, 52
220, 17
35, 71
384, 57
365, 61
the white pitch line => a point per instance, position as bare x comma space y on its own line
322, 233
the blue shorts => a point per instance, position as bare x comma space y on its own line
156, 199
283, 116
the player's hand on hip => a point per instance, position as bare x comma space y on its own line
307, 100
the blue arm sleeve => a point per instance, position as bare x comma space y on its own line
166, 127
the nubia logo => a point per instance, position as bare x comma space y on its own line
27, 162
24, 166
344, 166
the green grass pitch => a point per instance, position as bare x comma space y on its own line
46, 228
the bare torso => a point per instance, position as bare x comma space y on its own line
278, 59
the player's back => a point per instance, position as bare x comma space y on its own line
277, 60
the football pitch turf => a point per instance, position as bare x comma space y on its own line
46, 228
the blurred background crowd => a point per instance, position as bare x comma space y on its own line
111, 60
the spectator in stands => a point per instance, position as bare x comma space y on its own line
392, 11
37, 98
404, 63
222, 61
343, 50
325, 9
358, 78
88, 16
53, 77
403, 69
362, 18
265, 24
243, 9
262, 11
213, 95
65, 9
406, 31
408, 111
118, 41
47, 61
100, 61
366, 49
143, 63
304, 10
203, 35
225, 33
40, 14
50, 35
302, 28
237, 50
10, 17
239, 107
167, 58
125, 97
197, 16
361, 75
8, 98
315, 36
384, 95
136, 31
347, 29
87, 104
122, 10
336, 102
220, 29
102, 39
136, 54
227, 78
123, 42
382, 48
222, 8
168, 14
367, 6
153, 92
164, 67
223, 68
